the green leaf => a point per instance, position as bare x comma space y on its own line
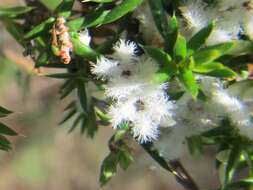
67, 88
195, 145
4, 143
82, 50
62, 75
159, 16
187, 79
92, 19
162, 58
101, 115
172, 34
241, 184
76, 24
180, 49
51, 4
100, 16
218, 131
40, 28
69, 115
215, 69
161, 76
98, 1
156, 155
120, 10
14, 11
42, 59
65, 8
108, 168
211, 53
4, 130
15, 30
233, 160
125, 159
224, 72
199, 38
82, 96
76, 122
91, 121
4, 112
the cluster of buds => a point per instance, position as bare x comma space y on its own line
61, 43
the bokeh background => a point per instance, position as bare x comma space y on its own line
46, 157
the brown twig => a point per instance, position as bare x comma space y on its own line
182, 175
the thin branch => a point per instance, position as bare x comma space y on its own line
183, 176
174, 167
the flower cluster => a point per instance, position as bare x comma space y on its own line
61, 40
136, 99
196, 116
233, 18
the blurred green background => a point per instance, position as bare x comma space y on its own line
46, 157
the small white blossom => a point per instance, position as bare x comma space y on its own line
131, 78
125, 51
232, 17
84, 37
219, 36
144, 114
197, 14
104, 67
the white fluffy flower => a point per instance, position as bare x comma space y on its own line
173, 141
231, 16
219, 36
144, 113
125, 51
132, 78
84, 37
137, 100
105, 68
197, 14
223, 104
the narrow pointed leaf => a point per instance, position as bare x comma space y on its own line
159, 16
82, 50
120, 10
65, 8
4, 130
4, 143
199, 38
125, 159
42, 27
108, 168
62, 75
187, 79
162, 58
180, 49
15, 30
233, 160
212, 53
51, 4
215, 69
171, 36
14, 11
76, 122
68, 116
4, 112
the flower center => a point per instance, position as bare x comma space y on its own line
126, 73
139, 105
